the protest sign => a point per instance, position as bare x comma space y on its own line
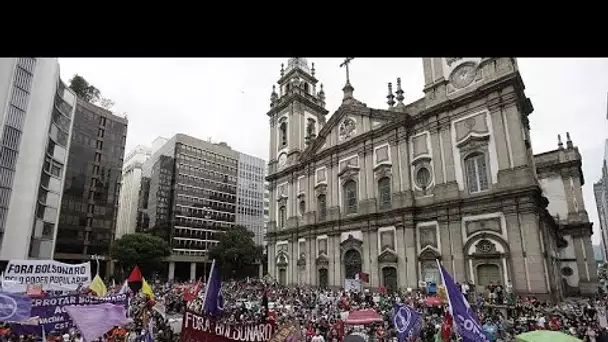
353, 285
53, 275
52, 314
202, 328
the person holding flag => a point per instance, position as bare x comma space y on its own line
213, 301
406, 321
466, 321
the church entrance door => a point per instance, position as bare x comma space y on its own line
352, 263
486, 274
282, 276
323, 277
389, 277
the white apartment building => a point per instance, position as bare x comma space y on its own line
36, 111
131, 185
129, 190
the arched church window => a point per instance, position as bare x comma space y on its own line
350, 197
282, 215
384, 192
476, 172
283, 133
352, 263
302, 207
306, 88
322, 206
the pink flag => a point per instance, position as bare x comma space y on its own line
95, 320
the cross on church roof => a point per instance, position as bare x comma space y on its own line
345, 64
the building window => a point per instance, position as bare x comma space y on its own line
302, 207
350, 197
283, 134
477, 174
322, 206
282, 215
423, 177
384, 192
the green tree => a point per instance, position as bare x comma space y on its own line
84, 90
141, 249
237, 253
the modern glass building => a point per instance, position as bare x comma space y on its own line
90, 198
36, 119
191, 191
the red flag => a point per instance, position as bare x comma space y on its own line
382, 290
135, 279
192, 294
364, 277
446, 326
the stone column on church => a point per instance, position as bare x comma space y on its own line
401, 263
411, 254
404, 164
396, 167
374, 275
293, 262
331, 259
365, 251
338, 263
455, 227
363, 194
312, 258
271, 259
369, 174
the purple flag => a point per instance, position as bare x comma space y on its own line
407, 322
14, 307
95, 320
212, 300
466, 320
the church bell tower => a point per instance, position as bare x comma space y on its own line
297, 113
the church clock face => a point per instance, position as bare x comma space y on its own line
463, 75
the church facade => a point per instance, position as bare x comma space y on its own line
449, 177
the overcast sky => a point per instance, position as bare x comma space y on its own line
227, 99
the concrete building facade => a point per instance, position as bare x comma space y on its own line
250, 195
192, 190
450, 177
36, 119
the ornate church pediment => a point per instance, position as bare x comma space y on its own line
429, 254
282, 260
302, 260
485, 247
473, 142
349, 171
383, 170
351, 243
282, 200
388, 256
322, 260
321, 189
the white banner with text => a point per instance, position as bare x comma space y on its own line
52, 275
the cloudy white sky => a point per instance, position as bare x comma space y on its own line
227, 99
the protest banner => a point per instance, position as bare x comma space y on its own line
353, 285
285, 332
14, 307
52, 315
196, 327
53, 275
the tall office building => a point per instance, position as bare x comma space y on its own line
129, 190
250, 195
188, 195
90, 199
601, 200
36, 122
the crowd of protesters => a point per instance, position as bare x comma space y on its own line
320, 313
